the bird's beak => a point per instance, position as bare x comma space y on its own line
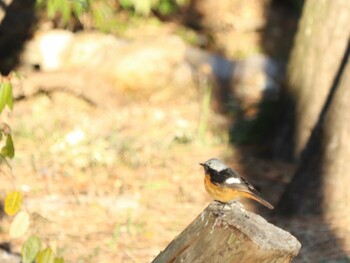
202, 164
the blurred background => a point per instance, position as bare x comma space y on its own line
117, 102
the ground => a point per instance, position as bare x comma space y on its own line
117, 184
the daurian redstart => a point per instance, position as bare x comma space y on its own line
225, 185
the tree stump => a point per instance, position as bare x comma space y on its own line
230, 234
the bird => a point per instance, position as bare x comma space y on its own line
225, 185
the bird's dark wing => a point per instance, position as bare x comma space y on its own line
233, 180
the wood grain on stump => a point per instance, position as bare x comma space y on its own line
230, 235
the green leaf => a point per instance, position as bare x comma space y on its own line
166, 7
51, 8
79, 7
59, 260
125, 3
97, 16
142, 7
20, 224
39, 2
45, 256
8, 150
31, 249
6, 95
13, 203
65, 10
182, 2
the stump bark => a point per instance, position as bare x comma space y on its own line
230, 235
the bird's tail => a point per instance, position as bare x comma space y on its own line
259, 199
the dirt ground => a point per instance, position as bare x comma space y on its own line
112, 185
117, 184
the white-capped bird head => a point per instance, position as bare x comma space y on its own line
214, 164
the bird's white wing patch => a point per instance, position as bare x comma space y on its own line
233, 180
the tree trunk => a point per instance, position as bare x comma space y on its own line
17, 21
321, 39
320, 185
230, 235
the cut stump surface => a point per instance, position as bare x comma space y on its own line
230, 235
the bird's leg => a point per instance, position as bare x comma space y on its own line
219, 214
222, 207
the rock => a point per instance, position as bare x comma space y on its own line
255, 79
146, 67
6, 257
153, 68
46, 50
91, 50
139, 69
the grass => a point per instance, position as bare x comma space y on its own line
204, 113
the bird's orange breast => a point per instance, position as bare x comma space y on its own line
221, 193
